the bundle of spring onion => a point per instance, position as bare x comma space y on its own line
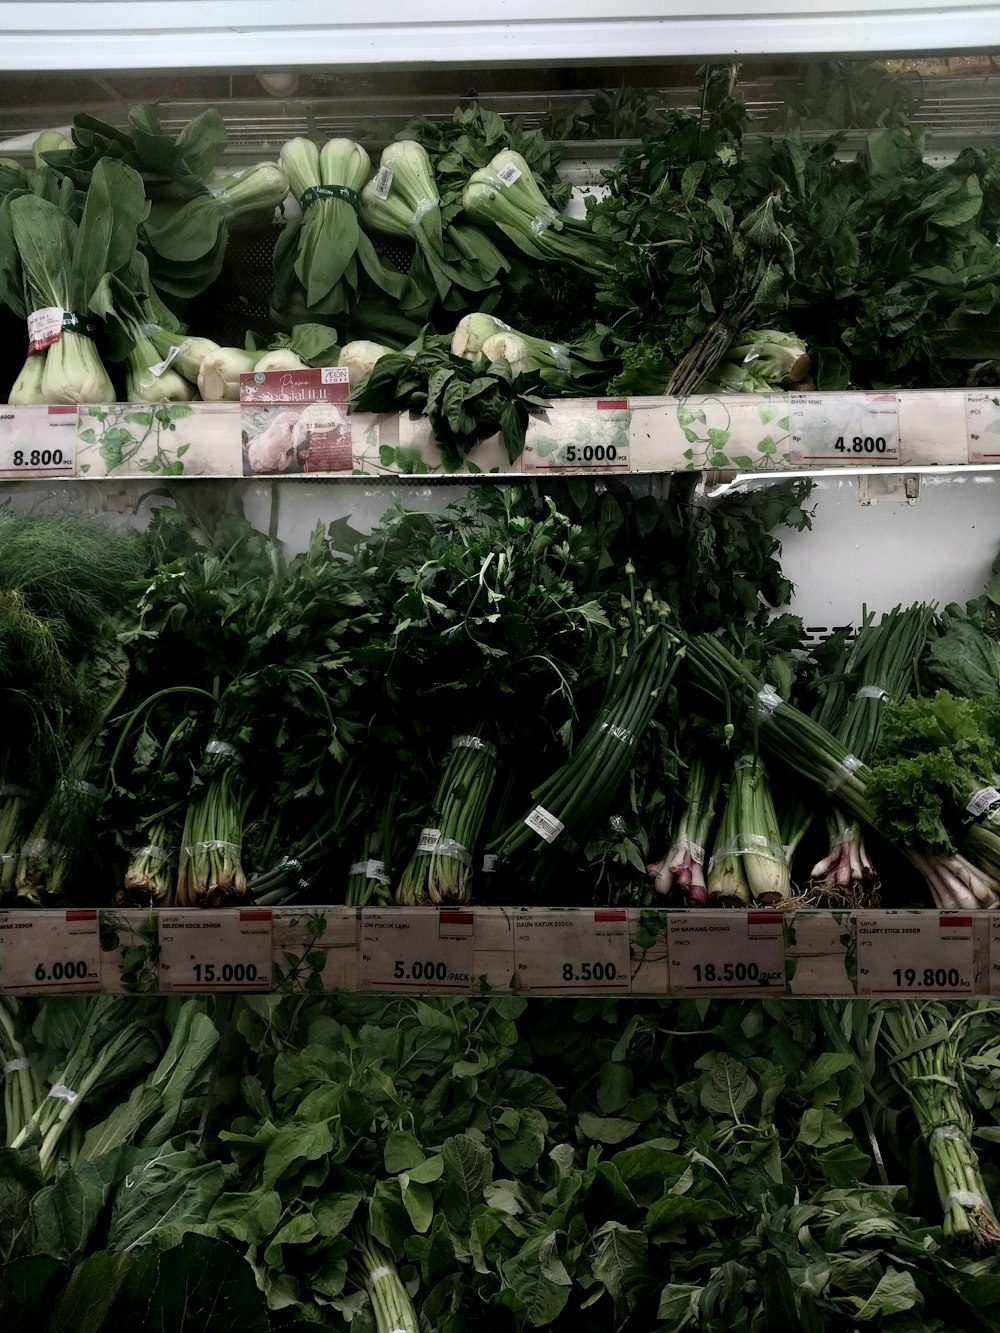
681, 873
505, 194
372, 1269
440, 870
570, 804
923, 1043
748, 864
881, 665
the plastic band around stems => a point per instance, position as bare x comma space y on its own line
377, 1274
964, 1199
951, 1132
63, 1094
147, 330
750, 844
749, 761
7, 857
81, 324
766, 701
560, 355
10, 790
848, 765
422, 209
370, 870
448, 847
315, 192
42, 847
873, 692
83, 788
151, 853
473, 743
846, 835
221, 747
543, 221
619, 733
13, 1066
212, 845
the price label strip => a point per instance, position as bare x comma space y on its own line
732, 953
38, 441
215, 950
417, 949
915, 953
572, 952
580, 437
841, 428
995, 953
48, 952
982, 423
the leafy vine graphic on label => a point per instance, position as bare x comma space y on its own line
709, 443
138, 948
127, 431
376, 459
302, 970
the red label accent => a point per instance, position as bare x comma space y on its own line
764, 918
612, 404
63, 411
255, 913
948, 920
456, 918
81, 914
610, 914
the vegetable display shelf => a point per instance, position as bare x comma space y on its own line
739, 433
476, 950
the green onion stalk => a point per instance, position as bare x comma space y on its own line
882, 665
581, 793
110, 1046
680, 876
372, 1270
810, 751
505, 194
21, 1087
12, 799
369, 877
748, 864
441, 868
150, 873
210, 871
925, 1058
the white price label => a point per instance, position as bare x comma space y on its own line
844, 428
579, 951
334, 375
38, 441
915, 953
509, 174
723, 951
582, 437
44, 327
985, 801
982, 424
50, 951
417, 949
227, 950
995, 953
544, 823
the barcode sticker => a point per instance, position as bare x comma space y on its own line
509, 174
489, 863
160, 367
382, 183
984, 800
544, 824
429, 840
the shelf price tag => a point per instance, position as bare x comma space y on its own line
579, 951
915, 953
844, 428
228, 950
732, 953
580, 437
416, 949
50, 951
994, 953
38, 441
982, 422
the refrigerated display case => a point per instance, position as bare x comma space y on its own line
908, 519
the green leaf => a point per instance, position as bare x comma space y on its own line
468, 1169
295, 1145
614, 1088
90, 1294
606, 1129
728, 1089
419, 1204
681, 1209
620, 1262
820, 1128
896, 1291
335, 1212
401, 1151
250, 1218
